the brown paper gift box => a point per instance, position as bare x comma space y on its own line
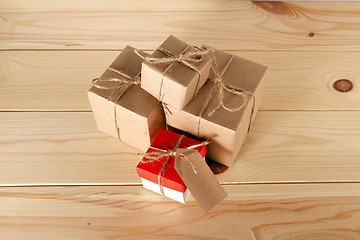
126, 112
176, 85
226, 129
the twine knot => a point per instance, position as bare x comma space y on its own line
124, 81
186, 58
159, 153
221, 87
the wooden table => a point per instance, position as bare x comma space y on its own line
296, 177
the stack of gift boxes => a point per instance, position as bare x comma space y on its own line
206, 93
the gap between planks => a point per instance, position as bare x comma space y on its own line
261, 110
151, 50
139, 184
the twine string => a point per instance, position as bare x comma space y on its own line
166, 110
123, 82
186, 58
222, 87
159, 153
166, 164
191, 163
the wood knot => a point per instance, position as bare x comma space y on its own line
278, 8
215, 167
311, 34
343, 85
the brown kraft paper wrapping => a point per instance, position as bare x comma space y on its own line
198, 177
122, 109
226, 129
178, 84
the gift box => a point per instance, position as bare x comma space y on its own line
224, 107
122, 109
163, 149
175, 72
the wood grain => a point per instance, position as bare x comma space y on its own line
58, 81
133, 213
160, 5
296, 177
284, 146
226, 25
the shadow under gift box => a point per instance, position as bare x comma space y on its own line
173, 186
136, 117
178, 84
226, 129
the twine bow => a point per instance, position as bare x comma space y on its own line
122, 84
159, 153
222, 87
186, 58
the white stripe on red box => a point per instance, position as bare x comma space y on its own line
168, 192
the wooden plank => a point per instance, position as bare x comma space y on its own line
112, 5
229, 25
142, 5
48, 80
56, 148
295, 212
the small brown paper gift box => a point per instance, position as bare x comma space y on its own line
121, 107
175, 72
224, 107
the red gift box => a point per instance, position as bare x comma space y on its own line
167, 140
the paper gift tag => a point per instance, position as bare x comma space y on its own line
199, 178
